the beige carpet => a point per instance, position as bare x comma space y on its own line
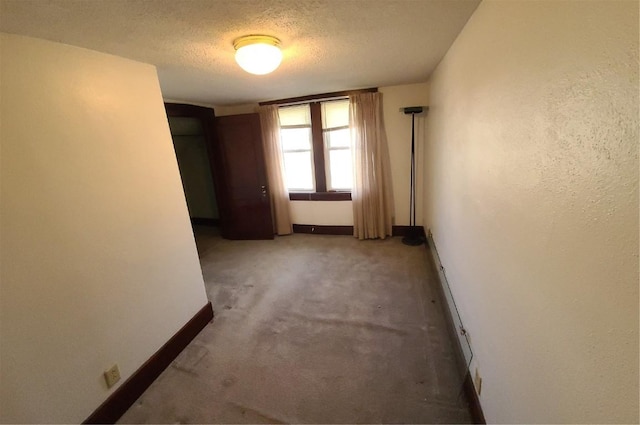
312, 329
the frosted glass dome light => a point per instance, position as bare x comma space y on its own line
258, 54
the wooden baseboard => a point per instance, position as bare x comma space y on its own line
205, 221
467, 386
403, 230
472, 398
347, 230
122, 398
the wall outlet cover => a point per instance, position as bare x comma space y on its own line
112, 375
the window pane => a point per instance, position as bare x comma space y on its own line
340, 168
295, 138
335, 113
298, 170
294, 115
338, 138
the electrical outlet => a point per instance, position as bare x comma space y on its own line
112, 375
477, 380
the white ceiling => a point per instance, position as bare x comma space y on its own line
328, 45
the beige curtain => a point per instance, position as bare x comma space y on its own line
270, 123
371, 193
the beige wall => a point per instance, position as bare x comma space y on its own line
334, 213
248, 108
98, 261
532, 196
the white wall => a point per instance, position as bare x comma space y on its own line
532, 196
98, 261
322, 213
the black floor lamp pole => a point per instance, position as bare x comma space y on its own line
413, 168
413, 236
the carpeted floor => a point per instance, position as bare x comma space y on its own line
312, 329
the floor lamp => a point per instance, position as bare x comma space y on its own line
414, 236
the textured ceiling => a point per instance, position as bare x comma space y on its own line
328, 45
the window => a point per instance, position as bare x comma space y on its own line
337, 144
316, 146
297, 147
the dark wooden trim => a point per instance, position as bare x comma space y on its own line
319, 96
123, 397
403, 230
320, 196
474, 402
467, 386
318, 147
323, 230
202, 221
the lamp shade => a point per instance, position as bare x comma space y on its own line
258, 54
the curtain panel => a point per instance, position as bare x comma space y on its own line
371, 195
279, 195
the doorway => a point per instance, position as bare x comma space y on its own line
189, 142
222, 170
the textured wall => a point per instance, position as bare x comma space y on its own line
99, 265
532, 175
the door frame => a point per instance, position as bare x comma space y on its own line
207, 118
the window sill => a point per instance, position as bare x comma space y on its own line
320, 196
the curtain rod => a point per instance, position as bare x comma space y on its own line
321, 96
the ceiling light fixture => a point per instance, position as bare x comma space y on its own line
258, 54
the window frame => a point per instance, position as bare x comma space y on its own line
318, 146
320, 165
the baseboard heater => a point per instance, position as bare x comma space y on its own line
460, 331
463, 351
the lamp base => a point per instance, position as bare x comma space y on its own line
413, 237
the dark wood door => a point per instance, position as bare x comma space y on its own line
247, 204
